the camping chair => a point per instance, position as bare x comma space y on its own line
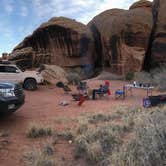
120, 93
102, 94
82, 92
103, 90
83, 89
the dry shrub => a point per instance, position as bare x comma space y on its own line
4, 143
149, 146
81, 144
73, 78
41, 157
100, 117
159, 78
4, 134
108, 76
38, 130
97, 142
143, 77
82, 128
129, 76
66, 135
64, 119
94, 152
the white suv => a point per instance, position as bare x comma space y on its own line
11, 72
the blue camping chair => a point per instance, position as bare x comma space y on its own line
120, 94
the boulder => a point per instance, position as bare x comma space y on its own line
122, 38
53, 74
60, 41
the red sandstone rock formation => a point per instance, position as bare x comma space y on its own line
122, 37
120, 41
158, 49
60, 41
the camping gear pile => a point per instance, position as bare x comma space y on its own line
83, 94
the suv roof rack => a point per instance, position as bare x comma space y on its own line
5, 62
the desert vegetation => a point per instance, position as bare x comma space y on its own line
41, 157
125, 137
38, 130
157, 77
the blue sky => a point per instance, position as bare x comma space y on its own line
19, 18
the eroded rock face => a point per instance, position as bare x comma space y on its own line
158, 50
122, 38
60, 41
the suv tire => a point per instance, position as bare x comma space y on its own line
30, 84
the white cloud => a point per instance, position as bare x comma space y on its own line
24, 11
81, 10
8, 6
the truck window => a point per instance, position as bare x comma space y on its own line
10, 69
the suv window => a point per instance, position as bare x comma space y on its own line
2, 69
10, 69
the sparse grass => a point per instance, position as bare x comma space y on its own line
4, 143
38, 130
100, 117
105, 144
64, 120
4, 134
94, 152
41, 157
149, 146
82, 128
96, 142
159, 78
66, 135
106, 134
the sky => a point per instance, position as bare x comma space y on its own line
19, 18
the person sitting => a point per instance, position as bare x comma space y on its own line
82, 91
103, 89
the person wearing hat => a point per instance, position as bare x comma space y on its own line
102, 90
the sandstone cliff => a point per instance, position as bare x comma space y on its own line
122, 37
60, 41
119, 41
158, 49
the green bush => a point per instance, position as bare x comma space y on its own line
129, 76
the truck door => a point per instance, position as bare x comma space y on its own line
12, 74
2, 73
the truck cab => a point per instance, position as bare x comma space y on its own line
12, 73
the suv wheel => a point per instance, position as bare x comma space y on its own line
30, 84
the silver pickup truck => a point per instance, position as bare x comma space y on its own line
12, 73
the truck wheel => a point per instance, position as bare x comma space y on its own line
30, 84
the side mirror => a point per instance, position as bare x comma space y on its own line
17, 71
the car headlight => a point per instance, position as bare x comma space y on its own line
7, 92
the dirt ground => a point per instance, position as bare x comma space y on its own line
42, 106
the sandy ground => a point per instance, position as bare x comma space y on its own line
41, 106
